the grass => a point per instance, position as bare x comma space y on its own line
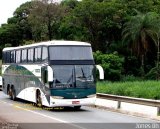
138, 89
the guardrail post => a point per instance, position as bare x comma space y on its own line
119, 105
158, 111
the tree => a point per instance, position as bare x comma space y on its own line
20, 18
10, 34
43, 18
141, 33
143, 6
71, 4
17, 28
100, 22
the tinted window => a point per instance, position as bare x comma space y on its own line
37, 54
24, 55
8, 57
18, 56
3, 57
12, 56
70, 53
30, 54
67, 75
44, 54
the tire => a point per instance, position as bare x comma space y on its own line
9, 92
77, 107
38, 99
13, 94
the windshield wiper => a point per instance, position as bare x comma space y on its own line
70, 78
83, 75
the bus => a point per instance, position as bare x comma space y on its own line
53, 73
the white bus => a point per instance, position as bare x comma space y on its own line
53, 73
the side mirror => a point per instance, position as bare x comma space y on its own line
101, 72
50, 74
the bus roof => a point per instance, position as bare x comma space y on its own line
50, 43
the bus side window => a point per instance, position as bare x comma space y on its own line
30, 55
3, 57
8, 57
18, 56
44, 54
24, 56
37, 54
12, 56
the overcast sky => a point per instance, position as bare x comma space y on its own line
7, 7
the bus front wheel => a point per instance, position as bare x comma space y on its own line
13, 93
38, 99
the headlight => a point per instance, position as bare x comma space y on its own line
91, 96
57, 97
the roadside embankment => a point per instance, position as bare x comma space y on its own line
134, 106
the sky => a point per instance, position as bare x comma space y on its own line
7, 8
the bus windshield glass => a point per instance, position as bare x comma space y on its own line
70, 53
68, 76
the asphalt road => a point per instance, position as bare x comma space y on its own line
23, 115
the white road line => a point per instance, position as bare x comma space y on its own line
6, 103
3, 102
44, 115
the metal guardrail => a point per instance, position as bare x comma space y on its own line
148, 102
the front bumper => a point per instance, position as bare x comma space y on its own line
71, 102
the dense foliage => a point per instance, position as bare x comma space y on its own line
125, 31
111, 63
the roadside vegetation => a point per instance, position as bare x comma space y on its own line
138, 89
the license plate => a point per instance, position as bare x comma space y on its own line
75, 102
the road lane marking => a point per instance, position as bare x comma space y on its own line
128, 115
62, 121
5, 102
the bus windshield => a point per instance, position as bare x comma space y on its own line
70, 76
70, 53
